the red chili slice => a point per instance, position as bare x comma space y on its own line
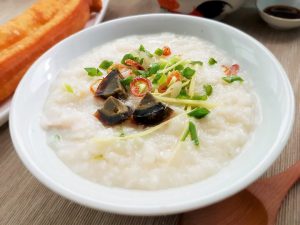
166, 51
232, 70
162, 88
176, 74
133, 63
140, 86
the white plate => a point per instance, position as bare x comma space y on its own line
269, 80
10, 9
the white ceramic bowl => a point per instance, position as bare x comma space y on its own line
277, 22
270, 82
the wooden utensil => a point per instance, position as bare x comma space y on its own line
257, 205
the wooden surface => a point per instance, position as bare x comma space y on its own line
258, 204
23, 200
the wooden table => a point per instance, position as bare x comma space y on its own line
23, 200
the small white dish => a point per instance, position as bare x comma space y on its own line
278, 22
269, 80
98, 17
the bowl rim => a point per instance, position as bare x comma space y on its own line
157, 209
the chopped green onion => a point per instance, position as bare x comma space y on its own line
156, 78
186, 133
183, 92
179, 67
129, 56
199, 113
142, 49
154, 68
231, 79
141, 61
159, 51
188, 72
126, 81
149, 54
183, 96
197, 62
93, 72
212, 61
68, 88
142, 73
199, 97
105, 64
208, 89
193, 132
163, 63
162, 79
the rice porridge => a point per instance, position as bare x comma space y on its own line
173, 110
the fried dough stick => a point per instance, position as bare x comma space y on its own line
24, 38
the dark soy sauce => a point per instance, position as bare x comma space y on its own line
283, 11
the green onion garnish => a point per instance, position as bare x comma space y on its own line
186, 133
208, 89
129, 56
126, 81
199, 113
199, 97
162, 79
193, 132
156, 78
212, 61
93, 72
159, 51
163, 63
68, 88
179, 67
197, 62
231, 79
142, 73
183, 94
154, 68
188, 72
141, 61
105, 64
142, 49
